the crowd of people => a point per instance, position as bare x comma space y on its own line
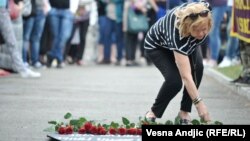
48, 31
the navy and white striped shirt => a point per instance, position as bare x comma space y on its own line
164, 34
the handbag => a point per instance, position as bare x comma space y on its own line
1, 39
13, 10
137, 22
29, 8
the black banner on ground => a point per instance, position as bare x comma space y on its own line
195, 132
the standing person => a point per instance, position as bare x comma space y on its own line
82, 21
131, 38
61, 17
171, 44
232, 48
12, 58
219, 9
114, 16
33, 26
240, 30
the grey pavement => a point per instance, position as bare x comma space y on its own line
98, 93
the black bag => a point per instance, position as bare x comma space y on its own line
1, 39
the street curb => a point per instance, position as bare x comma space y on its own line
224, 80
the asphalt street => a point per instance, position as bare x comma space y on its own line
97, 93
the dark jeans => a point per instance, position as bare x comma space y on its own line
112, 27
164, 60
77, 51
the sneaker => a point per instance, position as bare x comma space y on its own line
236, 61
37, 65
104, 62
49, 61
226, 62
60, 65
211, 63
28, 73
26, 64
118, 63
79, 62
242, 81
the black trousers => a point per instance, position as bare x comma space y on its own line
164, 60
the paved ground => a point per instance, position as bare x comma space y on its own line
99, 92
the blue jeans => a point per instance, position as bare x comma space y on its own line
102, 26
214, 36
61, 25
116, 28
32, 32
232, 49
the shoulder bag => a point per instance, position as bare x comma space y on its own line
137, 22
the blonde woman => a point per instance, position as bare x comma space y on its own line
172, 45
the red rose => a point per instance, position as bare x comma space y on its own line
112, 131
122, 131
139, 131
93, 130
132, 131
61, 130
82, 130
69, 130
101, 130
88, 126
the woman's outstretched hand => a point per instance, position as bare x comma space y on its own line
202, 111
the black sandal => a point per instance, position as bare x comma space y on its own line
180, 121
185, 122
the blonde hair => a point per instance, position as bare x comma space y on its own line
186, 24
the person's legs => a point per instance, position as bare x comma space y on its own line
27, 30
68, 51
165, 62
65, 31
61, 26
232, 48
36, 36
13, 51
214, 36
83, 32
54, 22
8, 34
119, 41
107, 39
131, 40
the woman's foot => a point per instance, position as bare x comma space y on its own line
150, 116
184, 118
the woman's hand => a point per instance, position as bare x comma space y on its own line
202, 111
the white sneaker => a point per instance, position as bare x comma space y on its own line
226, 62
236, 61
26, 64
28, 73
211, 63
38, 65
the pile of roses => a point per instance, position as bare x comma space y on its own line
84, 126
